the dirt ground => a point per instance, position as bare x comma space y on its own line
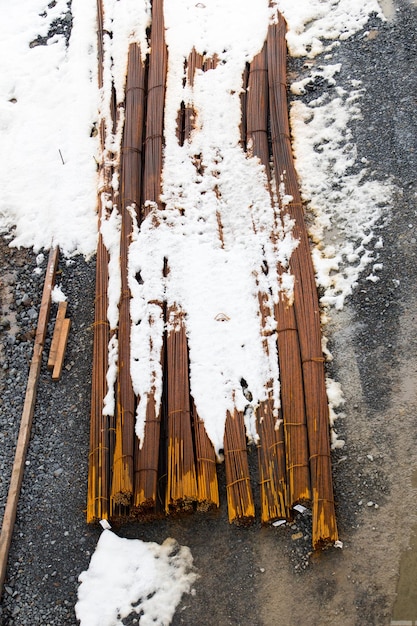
258, 576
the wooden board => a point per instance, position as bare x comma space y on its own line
62, 346
60, 316
27, 417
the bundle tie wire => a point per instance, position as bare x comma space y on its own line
97, 449
320, 454
238, 480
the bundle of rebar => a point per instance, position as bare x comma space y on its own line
306, 304
181, 491
122, 488
191, 464
291, 436
273, 469
147, 459
173, 468
99, 472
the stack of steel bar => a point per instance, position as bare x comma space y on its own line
306, 305
147, 461
99, 470
285, 449
176, 454
122, 487
241, 506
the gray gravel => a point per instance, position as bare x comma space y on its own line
50, 543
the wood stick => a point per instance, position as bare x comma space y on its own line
62, 310
62, 346
27, 417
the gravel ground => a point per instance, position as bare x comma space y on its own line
256, 576
49, 541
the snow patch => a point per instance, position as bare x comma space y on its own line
128, 576
57, 295
348, 206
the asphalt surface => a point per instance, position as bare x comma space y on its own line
249, 576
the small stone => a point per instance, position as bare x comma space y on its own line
296, 536
8, 590
32, 313
58, 472
4, 324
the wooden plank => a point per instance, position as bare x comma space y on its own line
62, 346
60, 316
27, 417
